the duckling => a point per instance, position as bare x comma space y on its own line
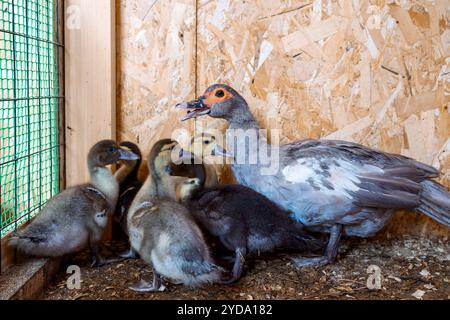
164, 233
244, 221
129, 184
77, 216
200, 148
127, 177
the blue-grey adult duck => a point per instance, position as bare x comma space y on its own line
77, 216
331, 186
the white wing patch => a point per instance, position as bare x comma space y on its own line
343, 175
298, 173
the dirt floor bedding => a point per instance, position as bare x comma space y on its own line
410, 268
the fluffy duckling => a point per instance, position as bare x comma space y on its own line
244, 221
201, 147
163, 232
77, 216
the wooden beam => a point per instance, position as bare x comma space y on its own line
90, 81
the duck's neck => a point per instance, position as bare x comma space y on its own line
103, 180
243, 119
165, 187
253, 155
127, 170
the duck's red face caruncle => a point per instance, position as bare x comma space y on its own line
216, 102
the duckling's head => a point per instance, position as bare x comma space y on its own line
205, 144
160, 158
108, 152
188, 188
218, 101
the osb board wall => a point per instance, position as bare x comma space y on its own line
156, 67
373, 72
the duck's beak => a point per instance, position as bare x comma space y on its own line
219, 151
196, 108
127, 155
179, 156
184, 154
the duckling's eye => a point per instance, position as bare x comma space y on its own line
207, 142
220, 93
112, 149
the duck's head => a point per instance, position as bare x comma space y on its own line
205, 144
108, 152
163, 155
218, 101
159, 159
188, 188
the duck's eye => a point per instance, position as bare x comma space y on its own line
220, 93
207, 142
112, 149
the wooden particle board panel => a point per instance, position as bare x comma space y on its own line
155, 68
372, 72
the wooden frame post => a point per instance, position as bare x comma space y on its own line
90, 78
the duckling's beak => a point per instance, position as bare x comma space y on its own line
219, 151
186, 154
199, 108
127, 155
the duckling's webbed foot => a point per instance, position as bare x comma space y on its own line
97, 259
304, 262
238, 266
129, 254
144, 287
330, 252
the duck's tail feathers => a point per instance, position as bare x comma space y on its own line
435, 202
29, 244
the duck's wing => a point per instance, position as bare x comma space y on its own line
209, 203
95, 198
367, 177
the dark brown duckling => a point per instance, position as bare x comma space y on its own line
129, 186
77, 216
164, 233
244, 221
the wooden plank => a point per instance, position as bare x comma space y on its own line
90, 81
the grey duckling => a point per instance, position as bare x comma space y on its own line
163, 232
244, 221
77, 216
337, 187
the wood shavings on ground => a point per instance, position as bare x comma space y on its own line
401, 261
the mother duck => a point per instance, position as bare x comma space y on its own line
331, 186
